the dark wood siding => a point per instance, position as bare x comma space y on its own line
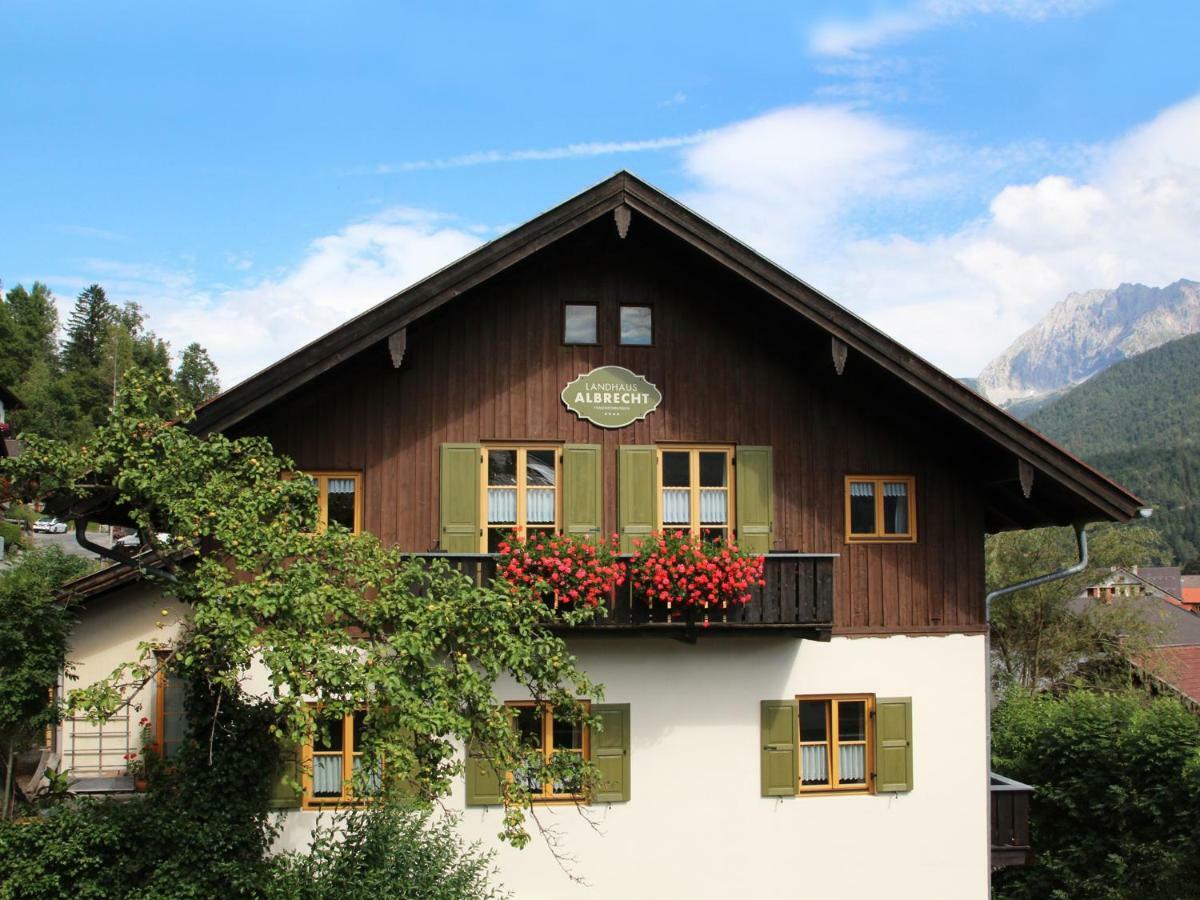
733, 368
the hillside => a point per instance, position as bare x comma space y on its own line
1139, 423
1086, 333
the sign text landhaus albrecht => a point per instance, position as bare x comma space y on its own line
611, 397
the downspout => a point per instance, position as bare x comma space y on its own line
1080, 540
81, 538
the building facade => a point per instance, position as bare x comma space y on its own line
620, 366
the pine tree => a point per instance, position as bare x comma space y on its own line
87, 328
196, 377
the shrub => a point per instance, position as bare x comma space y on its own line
1117, 791
385, 851
11, 532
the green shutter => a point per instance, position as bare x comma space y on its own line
610, 752
459, 499
780, 761
284, 792
893, 744
483, 784
582, 484
637, 489
755, 499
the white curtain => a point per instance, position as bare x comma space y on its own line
539, 506
327, 775
373, 782
814, 765
714, 507
895, 505
675, 506
502, 506
852, 763
862, 489
341, 485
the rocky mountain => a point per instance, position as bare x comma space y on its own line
1085, 334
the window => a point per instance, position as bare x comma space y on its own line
836, 743
333, 757
169, 722
695, 490
637, 326
546, 734
880, 508
339, 499
520, 492
579, 323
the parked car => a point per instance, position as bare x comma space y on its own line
50, 525
133, 540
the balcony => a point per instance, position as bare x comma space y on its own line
1010, 822
796, 601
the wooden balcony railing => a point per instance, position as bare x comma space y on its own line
797, 598
1010, 822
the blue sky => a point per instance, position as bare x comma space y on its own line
254, 174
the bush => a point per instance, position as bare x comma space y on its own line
385, 851
1117, 793
11, 532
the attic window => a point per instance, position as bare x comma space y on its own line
637, 326
579, 323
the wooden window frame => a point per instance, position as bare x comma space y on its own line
348, 754
879, 536
694, 450
653, 324
563, 331
322, 478
158, 718
548, 796
831, 743
520, 527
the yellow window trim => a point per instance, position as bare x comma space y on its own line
322, 478
348, 754
832, 743
548, 795
879, 536
520, 526
694, 450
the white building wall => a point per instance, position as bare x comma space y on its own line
696, 825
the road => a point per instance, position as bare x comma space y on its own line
67, 543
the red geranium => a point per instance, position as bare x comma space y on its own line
676, 568
567, 568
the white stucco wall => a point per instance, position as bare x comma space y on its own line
108, 632
696, 826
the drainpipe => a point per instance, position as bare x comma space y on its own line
1080, 540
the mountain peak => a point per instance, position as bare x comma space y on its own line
1088, 331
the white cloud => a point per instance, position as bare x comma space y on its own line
567, 151
248, 327
800, 183
853, 38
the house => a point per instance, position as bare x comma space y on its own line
1164, 582
834, 732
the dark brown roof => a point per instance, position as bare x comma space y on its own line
1068, 489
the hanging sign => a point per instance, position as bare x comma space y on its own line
611, 397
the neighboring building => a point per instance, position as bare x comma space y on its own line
837, 728
1164, 582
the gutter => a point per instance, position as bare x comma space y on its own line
1082, 543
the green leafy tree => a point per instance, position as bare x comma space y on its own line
51, 407
34, 627
327, 613
1042, 638
196, 378
28, 325
1117, 790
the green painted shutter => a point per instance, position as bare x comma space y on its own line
755, 499
459, 499
582, 485
483, 784
637, 488
610, 752
893, 744
284, 793
780, 759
